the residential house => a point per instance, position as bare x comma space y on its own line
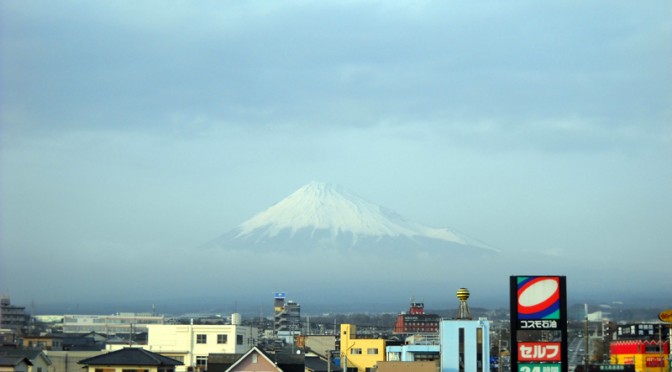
14, 364
67, 360
256, 359
130, 359
45, 342
39, 361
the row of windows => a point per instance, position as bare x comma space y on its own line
221, 339
370, 351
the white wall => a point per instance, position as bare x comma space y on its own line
450, 344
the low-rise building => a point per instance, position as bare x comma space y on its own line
39, 362
66, 360
191, 344
126, 323
12, 317
43, 342
407, 366
413, 353
645, 355
14, 364
257, 359
360, 353
416, 321
130, 359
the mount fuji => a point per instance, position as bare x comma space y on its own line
320, 216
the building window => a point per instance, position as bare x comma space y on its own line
372, 351
239, 339
356, 351
201, 339
221, 339
201, 361
255, 358
652, 348
39, 369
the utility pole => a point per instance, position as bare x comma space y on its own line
328, 360
499, 351
585, 343
660, 346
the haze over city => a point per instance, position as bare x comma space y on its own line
132, 134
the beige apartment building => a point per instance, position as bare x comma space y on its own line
191, 344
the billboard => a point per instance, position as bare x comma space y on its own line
666, 316
279, 295
539, 351
538, 305
538, 302
536, 367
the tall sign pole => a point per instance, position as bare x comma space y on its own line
666, 317
538, 304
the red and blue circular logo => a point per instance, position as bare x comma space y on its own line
539, 297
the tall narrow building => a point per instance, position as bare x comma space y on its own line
465, 343
287, 319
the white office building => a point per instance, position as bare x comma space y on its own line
465, 345
124, 323
191, 344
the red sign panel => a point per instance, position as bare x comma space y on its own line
539, 351
654, 361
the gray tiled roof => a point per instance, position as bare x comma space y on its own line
131, 356
30, 354
13, 361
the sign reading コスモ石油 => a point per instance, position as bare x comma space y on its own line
538, 302
538, 305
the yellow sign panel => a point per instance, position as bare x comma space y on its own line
666, 316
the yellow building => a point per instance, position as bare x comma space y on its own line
360, 353
646, 356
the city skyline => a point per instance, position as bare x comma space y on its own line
132, 134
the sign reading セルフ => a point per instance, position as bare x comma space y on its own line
539, 351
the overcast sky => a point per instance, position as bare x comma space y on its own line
132, 132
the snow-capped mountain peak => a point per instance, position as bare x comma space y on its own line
321, 209
320, 205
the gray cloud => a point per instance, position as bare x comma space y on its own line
154, 127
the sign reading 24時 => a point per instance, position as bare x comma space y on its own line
531, 367
538, 302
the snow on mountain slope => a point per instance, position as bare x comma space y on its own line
330, 215
322, 206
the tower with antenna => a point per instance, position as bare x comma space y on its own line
465, 343
463, 311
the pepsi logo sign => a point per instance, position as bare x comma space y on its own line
539, 297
